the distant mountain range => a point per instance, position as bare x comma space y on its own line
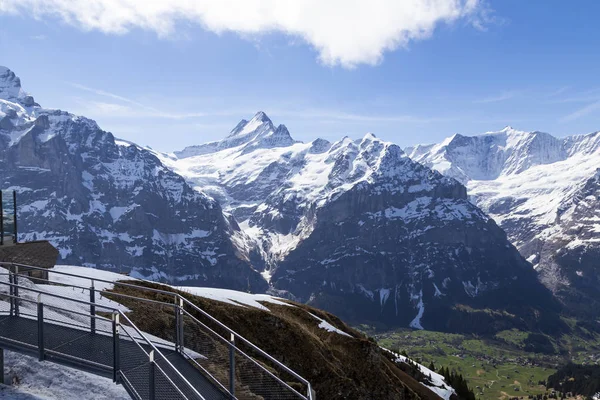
544, 192
356, 227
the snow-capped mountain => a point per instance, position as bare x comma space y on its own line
109, 203
542, 191
358, 228
355, 226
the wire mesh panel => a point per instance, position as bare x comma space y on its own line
21, 329
238, 373
253, 380
134, 364
162, 351
207, 350
165, 387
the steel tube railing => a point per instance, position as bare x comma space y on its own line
179, 303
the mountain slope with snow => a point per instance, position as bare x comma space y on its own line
109, 203
540, 191
357, 223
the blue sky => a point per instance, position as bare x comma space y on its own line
529, 64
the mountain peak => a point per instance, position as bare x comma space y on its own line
261, 116
10, 88
369, 136
244, 127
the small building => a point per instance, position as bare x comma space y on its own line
40, 253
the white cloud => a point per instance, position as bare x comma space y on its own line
335, 115
344, 32
590, 108
501, 97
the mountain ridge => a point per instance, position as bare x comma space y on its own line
310, 212
353, 222
537, 198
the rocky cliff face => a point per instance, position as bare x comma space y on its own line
110, 204
358, 228
354, 226
568, 257
542, 193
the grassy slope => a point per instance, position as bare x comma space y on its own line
496, 366
339, 367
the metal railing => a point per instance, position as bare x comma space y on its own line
51, 326
232, 363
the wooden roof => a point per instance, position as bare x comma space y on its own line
38, 254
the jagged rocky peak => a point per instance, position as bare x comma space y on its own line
244, 127
490, 155
319, 146
258, 132
10, 88
109, 203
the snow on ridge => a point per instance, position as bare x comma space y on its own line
416, 322
328, 327
519, 178
234, 297
438, 382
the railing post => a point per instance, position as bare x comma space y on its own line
116, 355
179, 325
16, 291
1, 220
11, 291
1, 366
16, 239
312, 395
40, 316
232, 366
92, 308
151, 388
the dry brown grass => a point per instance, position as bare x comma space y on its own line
338, 367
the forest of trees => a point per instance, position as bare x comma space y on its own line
458, 382
577, 379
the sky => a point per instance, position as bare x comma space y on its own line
178, 73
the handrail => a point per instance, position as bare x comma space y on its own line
98, 290
179, 299
247, 342
57, 296
244, 354
161, 355
115, 311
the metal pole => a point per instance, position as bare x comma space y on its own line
232, 366
116, 366
151, 388
92, 308
312, 395
1, 220
11, 291
177, 337
1, 366
16, 291
179, 326
15, 240
40, 312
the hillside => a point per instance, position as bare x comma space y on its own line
108, 203
340, 362
354, 227
542, 191
358, 228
